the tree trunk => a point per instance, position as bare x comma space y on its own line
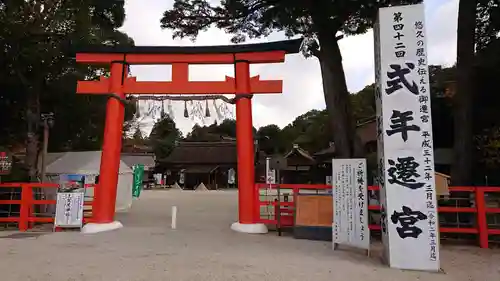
337, 98
461, 172
32, 119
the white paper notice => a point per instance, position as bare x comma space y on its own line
350, 205
69, 209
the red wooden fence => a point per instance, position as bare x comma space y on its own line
480, 210
26, 219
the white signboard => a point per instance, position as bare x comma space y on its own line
158, 178
182, 176
231, 176
69, 209
270, 173
406, 163
350, 205
271, 176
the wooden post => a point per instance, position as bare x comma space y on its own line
482, 224
24, 208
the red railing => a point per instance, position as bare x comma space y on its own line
27, 203
286, 209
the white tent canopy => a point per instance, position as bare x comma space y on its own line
82, 162
88, 163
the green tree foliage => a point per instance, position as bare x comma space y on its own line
486, 121
485, 113
441, 105
271, 139
136, 142
487, 23
38, 74
363, 103
163, 137
226, 128
323, 19
214, 132
311, 131
203, 133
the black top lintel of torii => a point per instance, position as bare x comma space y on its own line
289, 46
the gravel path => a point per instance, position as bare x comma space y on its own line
204, 248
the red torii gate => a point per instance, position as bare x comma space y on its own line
119, 84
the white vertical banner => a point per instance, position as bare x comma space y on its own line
231, 176
182, 176
270, 173
350, 205
271, 176
406, 161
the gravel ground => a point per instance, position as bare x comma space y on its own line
204, 248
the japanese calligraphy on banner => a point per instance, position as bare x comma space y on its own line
404, 130
350, 205
69, 209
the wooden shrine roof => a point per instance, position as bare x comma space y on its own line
302, 154
205, 153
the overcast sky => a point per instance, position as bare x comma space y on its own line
302, 88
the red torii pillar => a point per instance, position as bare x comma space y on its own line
119, 84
